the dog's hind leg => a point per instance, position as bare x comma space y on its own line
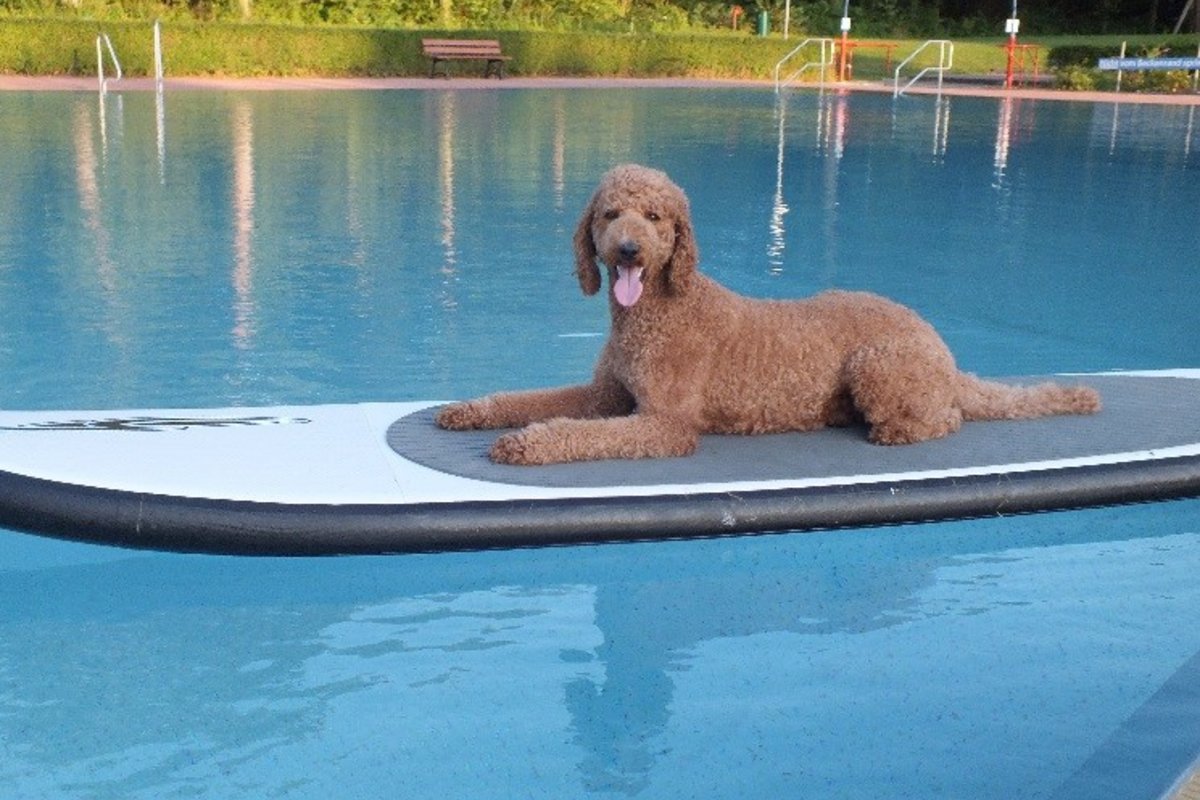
905, 390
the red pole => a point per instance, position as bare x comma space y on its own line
1011, 27
1008, 72
842, 64
845, 39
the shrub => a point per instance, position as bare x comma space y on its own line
1075, 68
1162, 82
1076, 78
1077, 55
1087, 55
59, 47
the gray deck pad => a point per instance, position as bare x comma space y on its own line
1140, 414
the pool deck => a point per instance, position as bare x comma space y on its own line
200, 83
1188, 785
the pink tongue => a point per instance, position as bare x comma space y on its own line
628, 287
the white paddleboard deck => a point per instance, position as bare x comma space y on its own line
380, 477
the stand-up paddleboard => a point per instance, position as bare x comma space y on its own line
381, 478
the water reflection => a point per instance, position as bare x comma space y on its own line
411, 189
358, 188
1138, 127
1191, 127
1004, 131
619, 670
833, 119
941, 126
603, 670
1112, 137
836, 108
87, 185
118, 104
779, 207
558, 157
903, 117
160, 133
244, 306
446, 105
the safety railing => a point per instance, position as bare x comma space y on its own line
825, 62
102, 42
944, 63
158, 57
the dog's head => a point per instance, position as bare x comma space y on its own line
638, 224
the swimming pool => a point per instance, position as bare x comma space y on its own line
242, 248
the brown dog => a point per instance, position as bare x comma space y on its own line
686, 356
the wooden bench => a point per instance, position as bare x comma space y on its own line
441, 51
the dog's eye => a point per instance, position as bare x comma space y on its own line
611, 214
653, 216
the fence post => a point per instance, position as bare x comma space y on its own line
1119, 71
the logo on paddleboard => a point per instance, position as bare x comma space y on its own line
153, 424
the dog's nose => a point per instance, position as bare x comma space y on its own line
628, 250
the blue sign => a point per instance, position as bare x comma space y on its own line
1141, 64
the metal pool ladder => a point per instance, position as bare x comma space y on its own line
824, 64
103, 41
945, 62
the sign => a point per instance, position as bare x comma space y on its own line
1142, 64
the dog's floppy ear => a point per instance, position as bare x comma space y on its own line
686, 255
585, 252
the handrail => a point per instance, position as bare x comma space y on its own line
158, 56
945, 62
825, 63
103, 40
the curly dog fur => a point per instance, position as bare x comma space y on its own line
687, 356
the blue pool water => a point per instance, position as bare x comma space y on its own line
244, 248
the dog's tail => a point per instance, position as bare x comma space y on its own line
980, 399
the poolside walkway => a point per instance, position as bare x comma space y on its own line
85, 84
59, 83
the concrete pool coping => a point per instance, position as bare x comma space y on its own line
201, 83
1188, 785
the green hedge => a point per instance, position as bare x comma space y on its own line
1087, 55
1075, 66
58, 47
68, 47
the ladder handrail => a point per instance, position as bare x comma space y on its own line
158, 56
945, 62
825, 62
101, 41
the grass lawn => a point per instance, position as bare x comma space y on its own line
68, 47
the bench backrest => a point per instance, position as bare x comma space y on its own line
461, 47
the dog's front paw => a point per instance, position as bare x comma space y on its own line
527, 447
471, 415
512, 448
